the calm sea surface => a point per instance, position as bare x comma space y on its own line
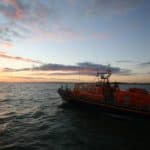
33, 117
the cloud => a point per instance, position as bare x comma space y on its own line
126, 72
56, 67
27, 79
56, 73
47, 14
109, 7
8, 70
23, 13
15, 70
13, 12
12, 8
145, 64
124, 61
82, 68
25, 9
100, 7
97, 67
6, 45
16, 58
10, 32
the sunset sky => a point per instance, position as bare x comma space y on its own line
70, 40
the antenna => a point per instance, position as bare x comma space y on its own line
104, 75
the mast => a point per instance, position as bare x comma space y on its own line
104, 76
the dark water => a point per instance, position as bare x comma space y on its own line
32, 117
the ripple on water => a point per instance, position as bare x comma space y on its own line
32, 117
3, 128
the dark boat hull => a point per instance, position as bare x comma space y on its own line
68, 97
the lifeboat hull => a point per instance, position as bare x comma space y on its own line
68, 96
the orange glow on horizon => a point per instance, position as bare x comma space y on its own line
30, 76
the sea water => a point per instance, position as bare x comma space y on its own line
34, 117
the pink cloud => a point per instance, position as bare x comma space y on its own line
6, 45
16, 58
18, 12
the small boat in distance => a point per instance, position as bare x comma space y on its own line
108, 97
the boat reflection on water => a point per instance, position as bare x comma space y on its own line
109, 97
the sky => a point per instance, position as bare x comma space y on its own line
70, 40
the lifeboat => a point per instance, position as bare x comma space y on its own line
109, 97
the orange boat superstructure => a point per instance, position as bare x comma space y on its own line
109, 96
